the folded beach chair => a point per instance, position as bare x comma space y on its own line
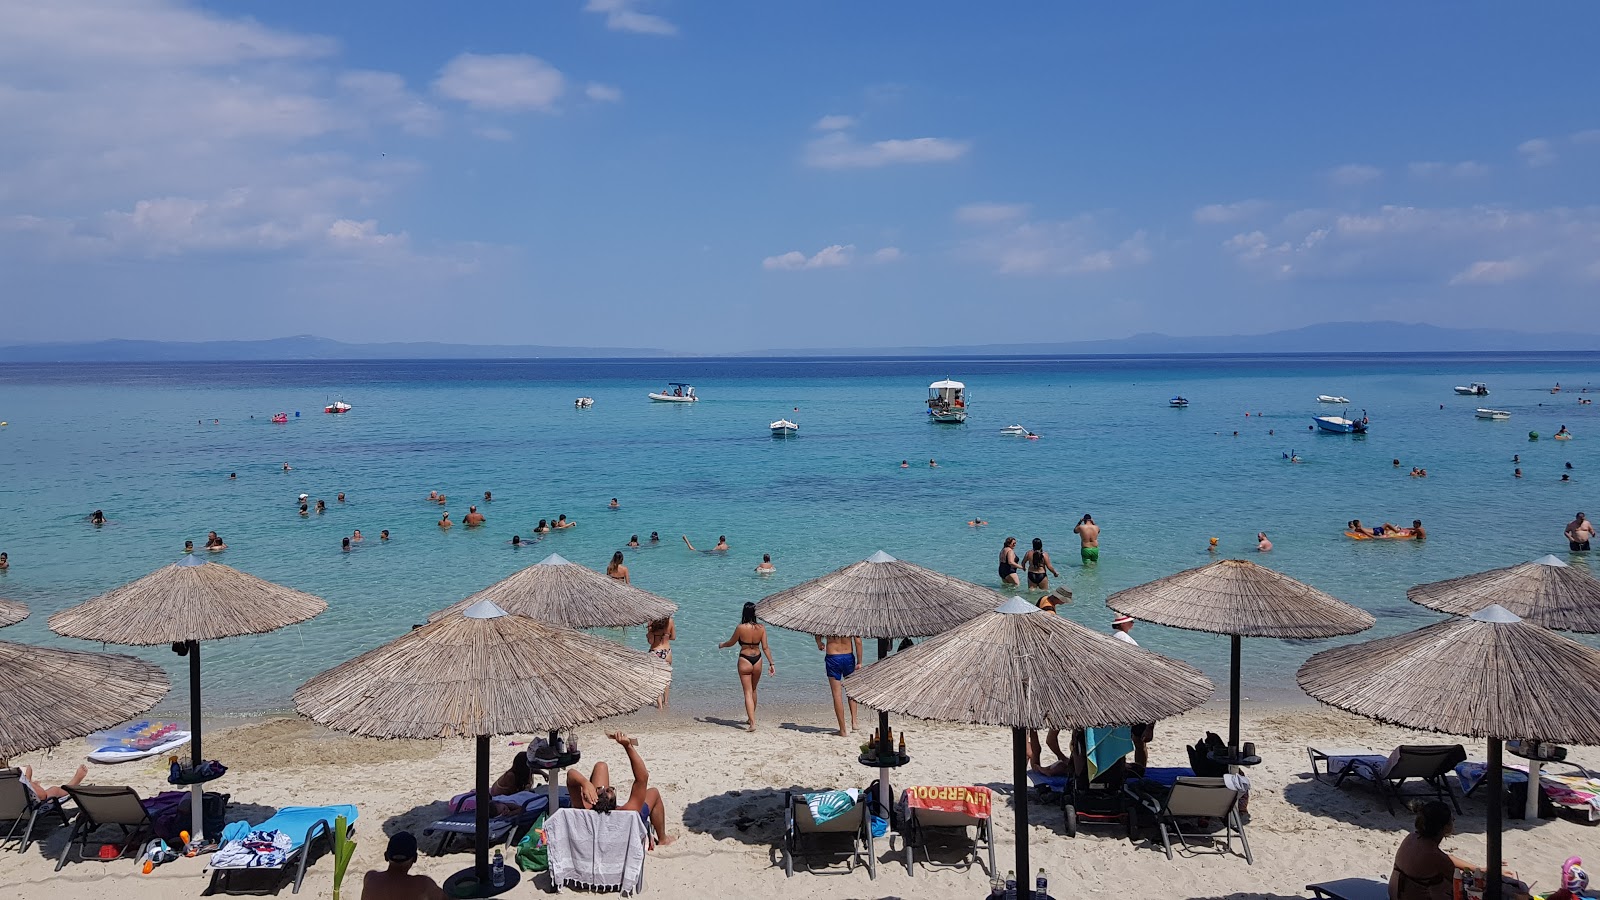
106, 807
597, 851
852, 822
1350, 889
283, 843
506, 828
1213, 799
1429, 764
929, 812
22, 809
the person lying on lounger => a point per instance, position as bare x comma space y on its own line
595, 792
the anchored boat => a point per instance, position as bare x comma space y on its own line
676, 392
784, 428
1332, 398
337, 406
947, 402
1475, 389
1498, 414
1178, 402
1341, 425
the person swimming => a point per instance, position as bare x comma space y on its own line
633, 541
655, 538
97, 518
721, 547
766, 567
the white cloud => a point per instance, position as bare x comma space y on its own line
1224, 213
830, 257
834, 123
140, 34
1537, 152
1464, 169
504, 82
887, 255
1075, 246
385, 96
1352, 174
1473, 245
990, 213
494, 133
837, 150
602, 93
1587, 136
621, 15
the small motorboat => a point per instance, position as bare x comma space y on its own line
947, 402
784, 428
1331, 398
583, 402
676, 392
1497, 414
1475, 389
1341, 425
1015, 431
337, 406
1178, 402
280, 418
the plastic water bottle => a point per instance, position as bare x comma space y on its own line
997, 888
1041, 885
497, 872
1011, 884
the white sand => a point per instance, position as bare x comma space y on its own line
714, 775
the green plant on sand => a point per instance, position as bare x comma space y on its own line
344, 847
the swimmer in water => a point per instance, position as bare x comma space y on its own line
444, 521
214, 544
383, 535
233, 476
1396, 463
1417, 531
655, 538
563, 522
516, 540
1517, 473
541, 528
304, 509
340, 498
97, 518
286, 467
974, 522
932, 464
766, 567
487, 497
721, 547
1212, 547
356, 537
344, 545
1262, 544
614, 503
905, 464
322, 507
633, 541
433, 496
188, 546
473, 518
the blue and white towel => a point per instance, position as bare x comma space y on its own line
256, 850
829, 805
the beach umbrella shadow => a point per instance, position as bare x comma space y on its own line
754, 817
1358, 803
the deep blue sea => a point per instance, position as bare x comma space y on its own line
139, 442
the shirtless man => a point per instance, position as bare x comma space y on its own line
842, 656
562, 522
214, 543
766, 567
721, 547
596, 792
396, 882
1089, 536
473, 518
1579, 531
444, 522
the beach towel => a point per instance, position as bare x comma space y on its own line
1106, 747
597, 850
829, 805
1573, 792
256, 850
966, 801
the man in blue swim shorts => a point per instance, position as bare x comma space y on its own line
842, 656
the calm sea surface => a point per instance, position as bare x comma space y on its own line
124, 438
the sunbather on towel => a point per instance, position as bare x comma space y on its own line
596, 792
43, 793
396, 882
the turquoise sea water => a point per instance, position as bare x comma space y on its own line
1160, 481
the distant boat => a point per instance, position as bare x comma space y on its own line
1330, 398
1475, 389
1492, 414
1178, 402
784, 428
1341, 425
947, 402
676, 392
583, 402
1016, 430
337, 406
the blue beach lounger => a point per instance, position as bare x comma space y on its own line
276, 844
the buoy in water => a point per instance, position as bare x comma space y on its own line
1533, 435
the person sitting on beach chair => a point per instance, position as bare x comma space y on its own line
595, 792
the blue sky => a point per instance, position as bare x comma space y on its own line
731, 176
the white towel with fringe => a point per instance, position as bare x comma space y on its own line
597, 851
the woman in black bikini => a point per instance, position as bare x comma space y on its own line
1009, 566
1422, 871
1037, 562
751, 636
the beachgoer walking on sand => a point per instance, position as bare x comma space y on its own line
751, 636
1089, 536
595, 792
1579, 532
616, 569
660, 635
842, 655
1009, 564
1037, 563
396, 882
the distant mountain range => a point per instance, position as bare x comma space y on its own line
1331, 337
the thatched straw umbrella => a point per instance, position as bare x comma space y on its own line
1024, 668
183, 604
1489, 675
48, 696
558, 592
1240, 599
479, 673
11, 612
1545, 592
880, 597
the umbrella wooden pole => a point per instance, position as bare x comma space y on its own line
1492, 882
1233, 700
1019, 799
481, 844
197, 793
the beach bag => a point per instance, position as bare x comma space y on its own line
882, 819
533, 855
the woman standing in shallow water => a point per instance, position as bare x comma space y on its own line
751, 636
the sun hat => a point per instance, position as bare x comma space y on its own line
1122, 620
304, 496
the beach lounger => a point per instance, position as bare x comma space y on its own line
800, 824
1575, 795
1350, 889
22, 809
106, 807
597, 851
1429, 764
281, 844
930, 812
505, 828
1212, 799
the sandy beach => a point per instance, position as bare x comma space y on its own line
724, 791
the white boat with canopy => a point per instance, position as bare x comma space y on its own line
947, 402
